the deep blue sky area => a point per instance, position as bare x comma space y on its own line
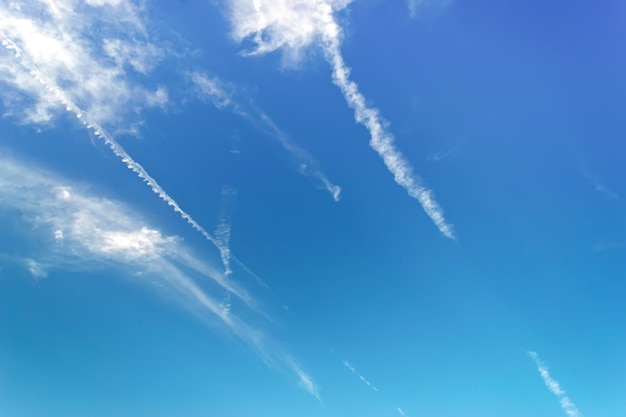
312, 208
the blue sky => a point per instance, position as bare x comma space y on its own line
312, 207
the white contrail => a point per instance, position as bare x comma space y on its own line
222, 96
361, 377
382, 141
117, 149
292, 25
400, 411
566, 404
222, 231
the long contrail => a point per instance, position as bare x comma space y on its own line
566, 404
117, 149
382, 141
293, 25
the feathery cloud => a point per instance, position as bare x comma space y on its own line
555, 388
100, 74
222, 231
225, 96
294, 25
49, 95
74, 229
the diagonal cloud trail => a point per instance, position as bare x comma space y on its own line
382, 141
75, 229
353, 370
566, 404
222, 231
293, 25
223, 96
361, 377
110, 141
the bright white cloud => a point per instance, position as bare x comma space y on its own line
52, 50
555, 388
294, 25
57, 95
76, 229
224, 96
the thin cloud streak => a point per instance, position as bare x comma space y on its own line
92, 125
292, 26
555, 388
382, 141
75, 230
222, 231
223, 96
361, 377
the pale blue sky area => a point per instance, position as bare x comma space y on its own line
312, 208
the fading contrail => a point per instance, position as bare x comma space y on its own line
361, 377
222, 96
222, 231
566, 404
117, 149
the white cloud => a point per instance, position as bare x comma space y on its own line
294, 25
400, 411
361, 377
76, 229
222, 231
57, 59
427, 8
555, 388
305, 381
59, 96
36, 269
224, 96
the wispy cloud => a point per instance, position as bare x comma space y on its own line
76, 229
61, 76
224, 95
599, 185
361, 377
222, 231
54, 42
555, 388
400, 411
292, 26
430, 8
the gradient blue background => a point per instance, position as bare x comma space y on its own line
525, 102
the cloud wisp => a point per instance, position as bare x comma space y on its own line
104, 75
364, 380
223, 95
69, 228
555, 388
292, 26
429, 8
361, 377
54, 79
222, 231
